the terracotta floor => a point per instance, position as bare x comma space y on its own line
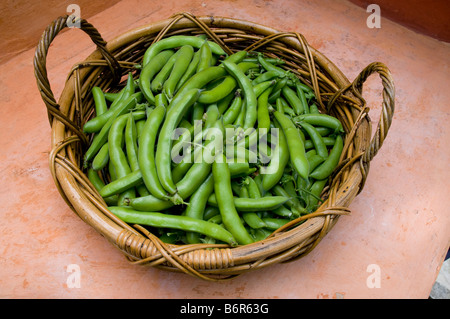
400, 223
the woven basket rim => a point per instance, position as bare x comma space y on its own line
207, 262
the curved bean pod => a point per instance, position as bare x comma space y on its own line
205, 60
197, 205
295, 144
224, 194
178, 41
272, 174
219, 92
191, 70
232, 112
96, 124
316, 138
158, 81
102, 137
184, 58
321, 120
247, 89
146, 152
122, 184
263, 110
253, 204
185, 223
164, 144
98, 183
150, 70
101, 159
293, 100
327, 167
99, 101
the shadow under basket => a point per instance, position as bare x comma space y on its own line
106, 68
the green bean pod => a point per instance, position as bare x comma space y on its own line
197, 205
265, 76
164, 144
139, 126
184, 223
321, 120
279, 106
239, 169
117, 155
232, 112
184, 58
274, 223
225, 87
251, 190
292, 202
224, 194
149, 203
247, 66
263, 110
265, 203
131, 146
205, 60
293, 100
283, 211
237, 57
146, 152
101, 159
314, 160
316, 138
247, 89
327, 167
283, 105
111, 96
192, 180
314, 194
302, 96
278, 162
198, 81
178, 41
161, 77
276, 92
269, 67
328, 140
240, 118
261, 87
96, 124
191, 70
99, 101
102, 137
211, 115
224, 103
98, 183
301, 86
116, 138
122, 184
295, 144
150, 70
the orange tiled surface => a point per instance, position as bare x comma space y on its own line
400, 222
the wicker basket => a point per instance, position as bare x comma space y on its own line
105, 68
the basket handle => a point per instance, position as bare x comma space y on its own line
388, 104
40, 65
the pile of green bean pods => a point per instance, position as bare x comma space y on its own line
205, 147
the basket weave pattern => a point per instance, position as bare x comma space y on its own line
105, 68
